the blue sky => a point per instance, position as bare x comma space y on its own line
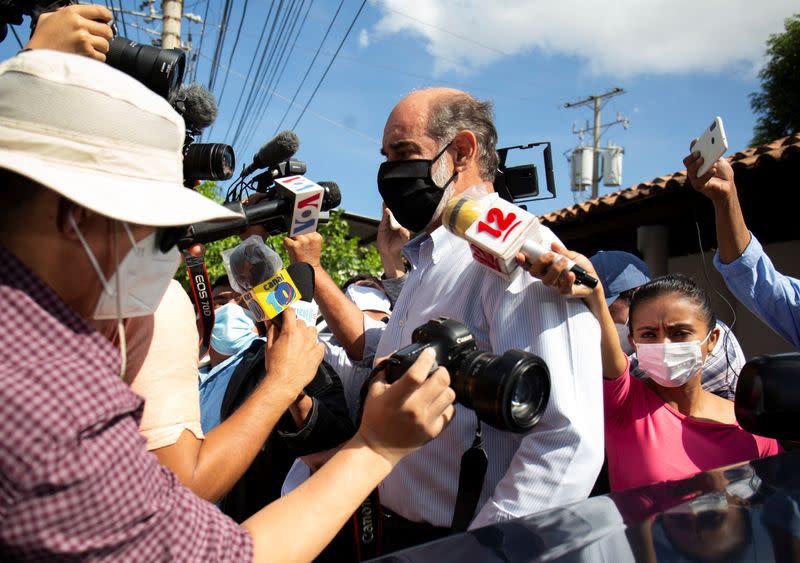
680, 63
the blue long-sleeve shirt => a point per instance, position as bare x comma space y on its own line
771, 296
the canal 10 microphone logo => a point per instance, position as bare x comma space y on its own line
271, 298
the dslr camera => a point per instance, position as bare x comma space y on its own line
509, 392
161, 70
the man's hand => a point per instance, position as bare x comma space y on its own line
257, 230
80, 29
717, 184
305, 248
389, 244
292, 358
402, 417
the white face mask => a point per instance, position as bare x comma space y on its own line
671, 364
142, 277
622, 332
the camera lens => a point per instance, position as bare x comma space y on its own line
509, 392
208, 161
161, 70
530, 389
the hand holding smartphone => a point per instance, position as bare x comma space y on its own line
711, 145
393, 224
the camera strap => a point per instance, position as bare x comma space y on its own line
474, 464
201, 291
368, 527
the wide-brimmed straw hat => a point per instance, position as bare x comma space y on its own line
99, 138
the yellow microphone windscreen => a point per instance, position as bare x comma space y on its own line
459, 214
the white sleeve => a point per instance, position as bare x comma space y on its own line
373, 331
353, 373
557, 462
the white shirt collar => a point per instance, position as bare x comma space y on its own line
428, 246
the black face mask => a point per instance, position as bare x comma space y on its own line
408, 189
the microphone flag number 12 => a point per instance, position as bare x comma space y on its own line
306, 197
495, 237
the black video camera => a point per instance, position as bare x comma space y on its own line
161, 70
273, 214
510, 391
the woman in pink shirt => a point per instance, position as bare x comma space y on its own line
665, 427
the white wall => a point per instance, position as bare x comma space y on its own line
755, 337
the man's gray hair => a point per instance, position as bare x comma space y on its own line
456, 112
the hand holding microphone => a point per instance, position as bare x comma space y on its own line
533, 252
292, 355
501, 233
556, 269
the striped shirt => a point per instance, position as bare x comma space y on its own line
558, 460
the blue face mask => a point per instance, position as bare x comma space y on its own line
233, 331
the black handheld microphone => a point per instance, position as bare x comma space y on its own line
266, 179
302, 275
274, 214
333, 193
281, 147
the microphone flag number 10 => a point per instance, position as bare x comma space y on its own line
495, 237
306, 197
269, 299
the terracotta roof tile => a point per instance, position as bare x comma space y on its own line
775, 150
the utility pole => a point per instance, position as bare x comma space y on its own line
595, 102
171, 24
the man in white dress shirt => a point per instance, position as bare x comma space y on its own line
439, 142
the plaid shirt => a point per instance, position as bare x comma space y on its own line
75, 480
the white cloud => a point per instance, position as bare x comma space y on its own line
616, 38
363, 39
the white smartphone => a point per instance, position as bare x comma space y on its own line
711, 145
393, 224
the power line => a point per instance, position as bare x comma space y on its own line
233, 50
429, 78
263, 108
317, 114
202, 36
330, 64
447, 31
277, 71
308, 70
14, 31
122, 17
250, 69
262, 69
226, 14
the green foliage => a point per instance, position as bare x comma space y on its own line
342, 257
778, 102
